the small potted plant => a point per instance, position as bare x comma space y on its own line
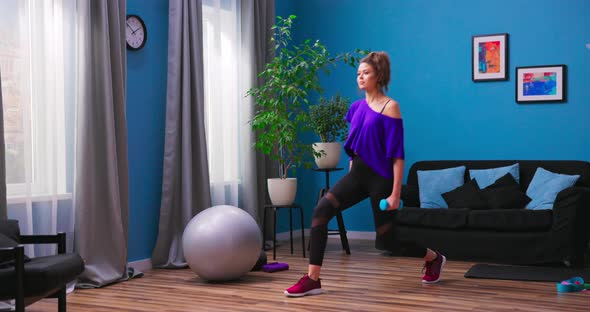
327, 120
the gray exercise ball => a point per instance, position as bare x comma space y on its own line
221, 243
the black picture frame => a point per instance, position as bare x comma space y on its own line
489, 57
541, 84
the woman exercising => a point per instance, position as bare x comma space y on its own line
375, 145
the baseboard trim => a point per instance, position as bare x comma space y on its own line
141, 265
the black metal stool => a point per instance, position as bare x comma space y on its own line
341, 229
274, 226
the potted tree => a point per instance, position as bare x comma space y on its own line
327, 120
288, 80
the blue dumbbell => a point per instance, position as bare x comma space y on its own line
383, 205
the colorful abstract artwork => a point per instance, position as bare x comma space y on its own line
541, 84
489, 57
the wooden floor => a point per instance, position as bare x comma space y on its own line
363, 281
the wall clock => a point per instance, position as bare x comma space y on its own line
135, 33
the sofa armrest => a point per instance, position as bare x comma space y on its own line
571, 205
59, 239
571, 212
410, 195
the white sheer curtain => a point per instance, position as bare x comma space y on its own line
226, 125
37, 40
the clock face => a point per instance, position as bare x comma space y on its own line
136, 33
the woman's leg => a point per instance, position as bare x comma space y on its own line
347, 192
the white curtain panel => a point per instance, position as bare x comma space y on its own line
36, 57
224, 100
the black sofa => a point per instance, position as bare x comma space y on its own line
514, 236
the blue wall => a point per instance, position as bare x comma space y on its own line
146, 111
446, 115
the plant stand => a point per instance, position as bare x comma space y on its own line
274, 209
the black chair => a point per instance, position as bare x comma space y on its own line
28, 280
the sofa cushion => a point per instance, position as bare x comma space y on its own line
544, 187
486, 177
432, 183
43, 274
435, 218
466, 196
515, 220
505, 193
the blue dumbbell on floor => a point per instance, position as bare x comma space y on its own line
383, 205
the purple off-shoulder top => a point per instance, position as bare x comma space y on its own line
376, 138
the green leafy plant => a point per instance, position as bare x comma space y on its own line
288, 80
327, 118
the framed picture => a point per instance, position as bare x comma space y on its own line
489, 55
536, 84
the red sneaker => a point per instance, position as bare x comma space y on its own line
433, 269
305, 286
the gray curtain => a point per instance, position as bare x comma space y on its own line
257, 18
101, 191
185, 180
3, 213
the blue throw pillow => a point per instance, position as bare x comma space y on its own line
545, 186
433, 183
486, 177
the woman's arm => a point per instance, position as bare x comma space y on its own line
393, 200
398, 175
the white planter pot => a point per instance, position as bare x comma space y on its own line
332, 157
282, 191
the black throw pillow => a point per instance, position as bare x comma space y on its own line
505, 193
466, 196
505, 180
8, 242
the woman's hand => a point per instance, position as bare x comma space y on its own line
392, 202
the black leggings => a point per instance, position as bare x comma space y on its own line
361, 182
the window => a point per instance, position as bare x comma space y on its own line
38, 77
228, 74
222, 98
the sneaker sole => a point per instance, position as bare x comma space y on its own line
316, 291
439, 274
